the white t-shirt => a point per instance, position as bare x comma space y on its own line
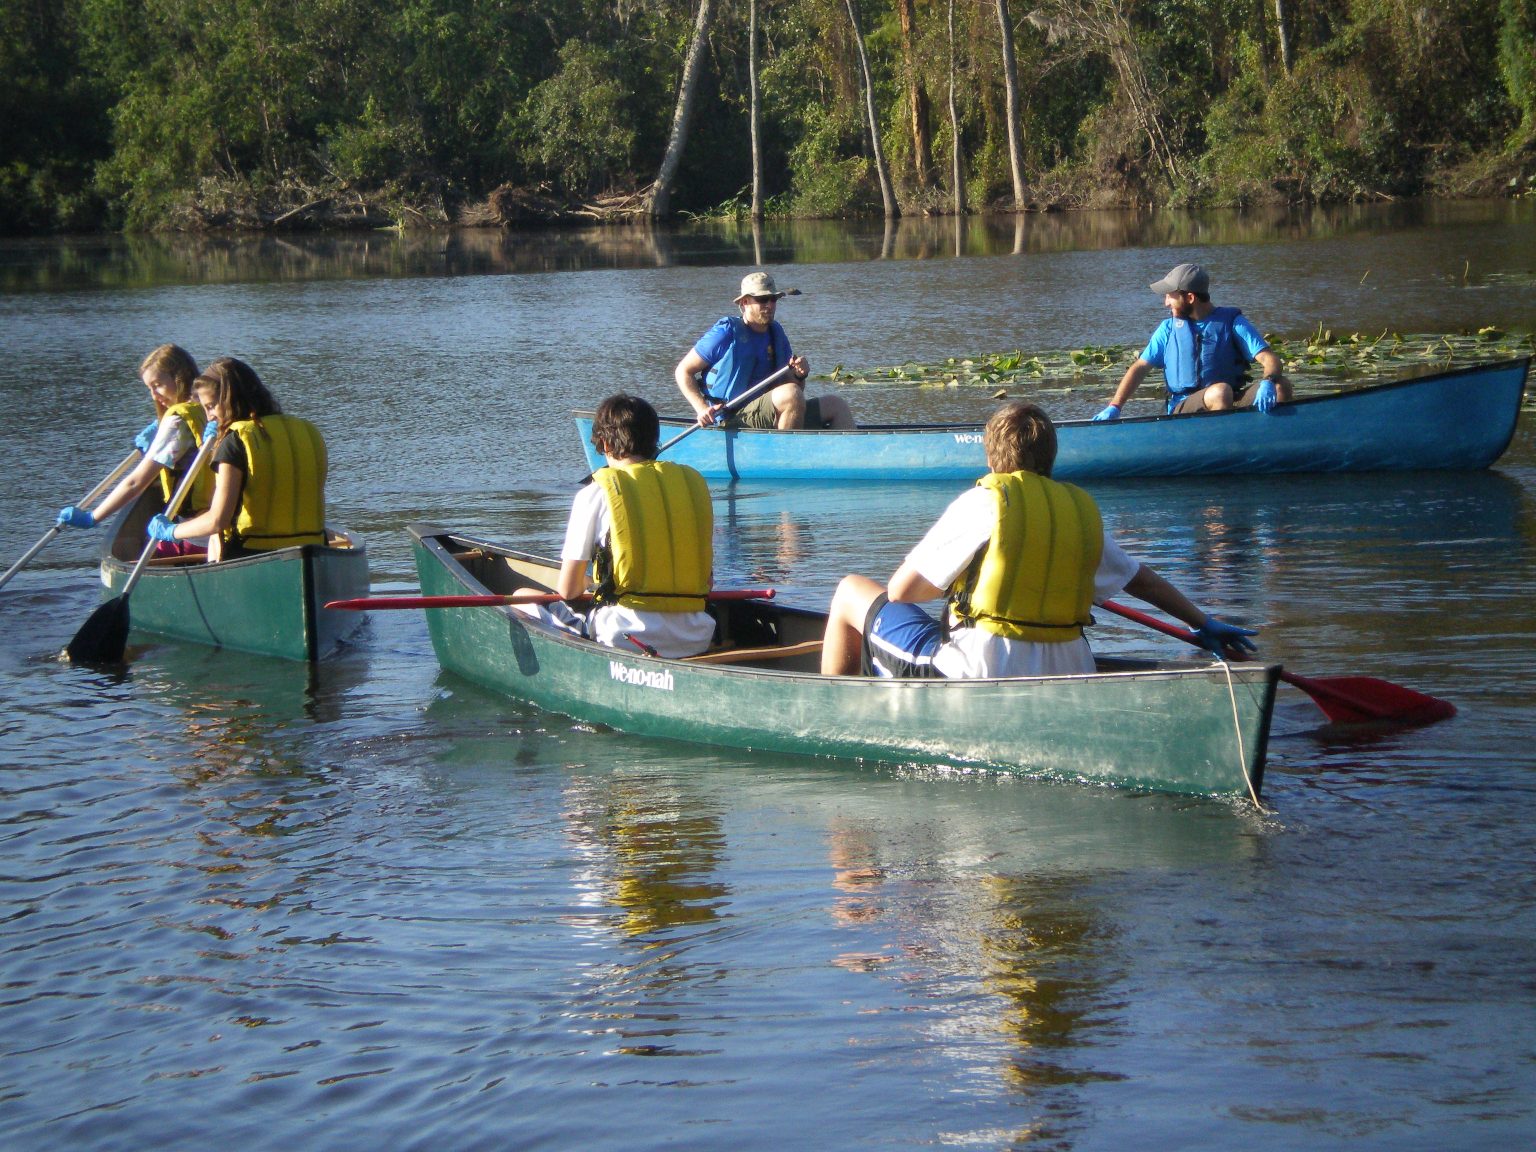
672, 634
970, 653
173, 440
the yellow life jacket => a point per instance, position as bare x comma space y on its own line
201, 495
1034, 580
660, 549
282, 503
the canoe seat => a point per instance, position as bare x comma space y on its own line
178, 561
751, 655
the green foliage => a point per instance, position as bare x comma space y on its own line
1318, 363
1517, 57
1318, 134
160, 113
576, 125
53, 113
825, 180
813, 94
374, 150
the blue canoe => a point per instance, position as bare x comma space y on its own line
1462, 419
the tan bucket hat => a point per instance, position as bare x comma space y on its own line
759, 284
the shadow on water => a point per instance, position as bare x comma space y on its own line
226, 696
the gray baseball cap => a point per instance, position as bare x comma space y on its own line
1184, 278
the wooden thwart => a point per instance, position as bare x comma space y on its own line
754, 655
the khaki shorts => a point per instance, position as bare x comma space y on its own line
1195, 401
762, 414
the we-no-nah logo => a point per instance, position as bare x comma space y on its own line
642, 677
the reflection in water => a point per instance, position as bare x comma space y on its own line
138, 261
653, 855
1051, 959
758, 546
858, 878
1036, 943
1048, 955
653, 851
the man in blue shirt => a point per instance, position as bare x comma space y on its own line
1204, 352
738, 352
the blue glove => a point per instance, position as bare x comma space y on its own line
147, 437
210, 430
1218, 636
76, 518
1264, 398
162, 529
1112, 412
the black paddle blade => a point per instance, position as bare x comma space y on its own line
103, 638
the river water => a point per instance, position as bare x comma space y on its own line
375, 906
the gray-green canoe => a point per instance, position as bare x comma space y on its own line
1187, 727
270, 604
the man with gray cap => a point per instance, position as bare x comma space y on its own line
1204, 352
739, 351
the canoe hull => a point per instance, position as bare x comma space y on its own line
1456, 420
1181, 728
270, 604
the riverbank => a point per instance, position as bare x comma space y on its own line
226, 207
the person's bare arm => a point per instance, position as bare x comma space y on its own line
908, 586
1131, 381
1148, 585
686, 376
573, 579
227, 483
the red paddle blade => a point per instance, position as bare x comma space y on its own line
1356, 699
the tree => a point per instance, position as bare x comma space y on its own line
887, 192
1517, 57
1103, 26
917, 97
1011, 105
693, 65
576, 124
1283, 34
956, 167
757, 134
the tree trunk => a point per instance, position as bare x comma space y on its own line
693, 64
1283, 31
887, 192
957, 170
917, 98
1011, 105
757, 138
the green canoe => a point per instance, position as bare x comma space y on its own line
270, 604
1187, 727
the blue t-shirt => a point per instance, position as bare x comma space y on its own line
757, 355
1226, 341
